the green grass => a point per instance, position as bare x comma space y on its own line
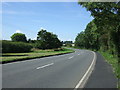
6, 57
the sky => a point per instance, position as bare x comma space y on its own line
65, 19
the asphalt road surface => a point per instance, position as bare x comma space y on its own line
102, 75
62, 71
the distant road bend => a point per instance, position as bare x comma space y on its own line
62, 71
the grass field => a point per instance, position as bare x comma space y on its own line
35, 53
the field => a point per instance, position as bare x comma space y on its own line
35, 53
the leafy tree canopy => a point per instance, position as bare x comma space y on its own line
19, 37
107, 19
47, 40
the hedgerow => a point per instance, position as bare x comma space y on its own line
15, 47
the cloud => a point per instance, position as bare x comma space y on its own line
18, 31
9, 12
17, 12
42, 28
34, 38
5, 3
40, 21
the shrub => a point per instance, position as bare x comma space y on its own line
15, 47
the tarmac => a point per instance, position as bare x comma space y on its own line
102, 76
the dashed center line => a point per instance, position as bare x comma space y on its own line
45, 66
70, 57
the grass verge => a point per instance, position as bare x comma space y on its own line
12, 57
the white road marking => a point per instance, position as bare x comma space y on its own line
70, 57
45, 66
80, 82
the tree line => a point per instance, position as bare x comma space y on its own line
103, 32
19, 42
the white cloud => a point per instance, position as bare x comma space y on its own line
34, 38
10, 12
42, 28
69, 39
6, 3
18, 31
17, 12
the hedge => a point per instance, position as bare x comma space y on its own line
15, 47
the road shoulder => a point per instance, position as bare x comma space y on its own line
102, 75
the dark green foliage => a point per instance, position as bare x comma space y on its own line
107, 20
31, 41
88, 38
47, 40
68, 43
40, 45
19, 37
80, 40
15, 47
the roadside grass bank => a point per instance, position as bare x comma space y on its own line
35, 53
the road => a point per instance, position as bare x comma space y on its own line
62, 71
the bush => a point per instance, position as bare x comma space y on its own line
15, 47
40, 45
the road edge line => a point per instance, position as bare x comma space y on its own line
87, 74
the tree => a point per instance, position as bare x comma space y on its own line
107, 14
19, 37
88, 38
31, 41
107, 20
47, 40
80, 40
68, 43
